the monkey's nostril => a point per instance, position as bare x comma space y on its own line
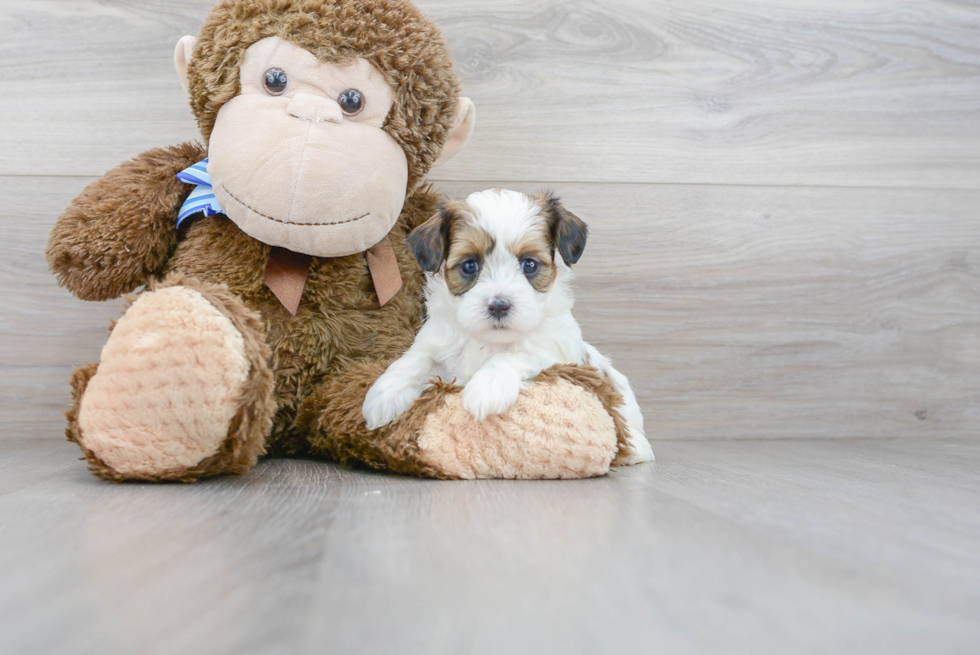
498, 307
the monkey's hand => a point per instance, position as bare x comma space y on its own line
122, 229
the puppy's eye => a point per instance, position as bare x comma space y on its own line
470, 267
275, 81
529, 266
351, 102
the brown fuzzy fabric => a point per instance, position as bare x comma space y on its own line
256, 406
79, 381
605, 391
332, 419
397, 38
339, 321
122, 229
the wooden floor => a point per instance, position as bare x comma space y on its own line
785, 259
809, 546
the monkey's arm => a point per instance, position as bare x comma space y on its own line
122, 228
563, 426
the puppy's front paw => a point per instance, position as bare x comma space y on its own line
388, 399
489, 393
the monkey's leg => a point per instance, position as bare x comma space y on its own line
562, 426
183, 389
332, 422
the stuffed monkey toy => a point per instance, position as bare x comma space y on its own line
276, 282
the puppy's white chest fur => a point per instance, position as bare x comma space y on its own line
557, 341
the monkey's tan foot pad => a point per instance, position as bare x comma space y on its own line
555, 429
169, 392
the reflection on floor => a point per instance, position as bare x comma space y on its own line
719, 546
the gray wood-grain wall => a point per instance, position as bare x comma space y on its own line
784, 196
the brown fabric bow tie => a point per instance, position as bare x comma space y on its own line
286, 273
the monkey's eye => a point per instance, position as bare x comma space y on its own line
529, 266
275, 81
351, 102
470, 267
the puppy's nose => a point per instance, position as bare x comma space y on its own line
499, 307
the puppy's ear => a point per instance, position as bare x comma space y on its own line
430, 240
568, 231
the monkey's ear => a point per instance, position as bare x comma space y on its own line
430, 240
182, 58
462, 129
568, 231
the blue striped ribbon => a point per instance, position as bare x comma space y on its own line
202, 197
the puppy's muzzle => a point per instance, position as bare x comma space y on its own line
498, 308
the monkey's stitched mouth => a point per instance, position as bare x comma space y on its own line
277, 220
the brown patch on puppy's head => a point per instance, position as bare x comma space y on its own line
469, 246
453, 237
537, 245
568, 232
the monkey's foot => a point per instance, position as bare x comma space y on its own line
183, 390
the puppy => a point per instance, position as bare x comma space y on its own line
498, 303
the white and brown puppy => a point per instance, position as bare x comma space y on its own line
498, 304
